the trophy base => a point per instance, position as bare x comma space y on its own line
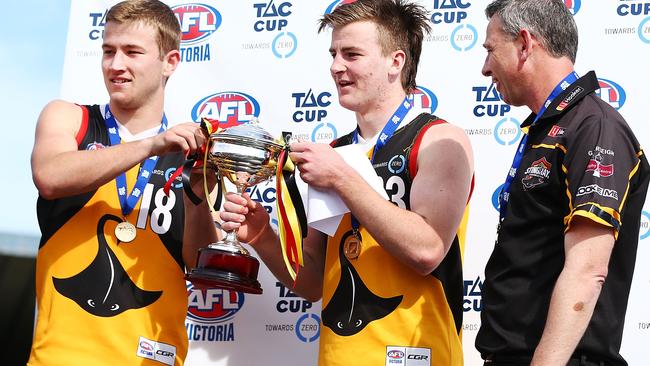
218, 268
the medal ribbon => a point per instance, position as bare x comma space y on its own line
386, 133
292, 221
505, 191
127, 204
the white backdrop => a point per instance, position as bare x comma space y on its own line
244, 58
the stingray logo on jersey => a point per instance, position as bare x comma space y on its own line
335, 4
507, 131
573, 6
611, 93
198, 22
472, 295
488, 102
271, 16
311, 106
230, 108
423, 100
210, 312
97, 23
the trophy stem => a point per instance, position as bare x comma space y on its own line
230, 242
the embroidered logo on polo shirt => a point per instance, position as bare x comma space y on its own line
536, 174
556, 131
571, 96
596, 165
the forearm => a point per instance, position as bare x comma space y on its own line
74, 172
572, 305
309, 280
404, 234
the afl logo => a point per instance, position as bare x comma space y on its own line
94, 146
396, 164
335, 4
212, 305
573, 6
611, 93
198, 21
423, 98
146, 346
230, 108
395, 355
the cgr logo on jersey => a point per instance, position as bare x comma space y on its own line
423, 100
210, 313
230, 108
198, 22
611, 93
472, 300
310, 106
573, 6
271, 16
488, 102
335, 4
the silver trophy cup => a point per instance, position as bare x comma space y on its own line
246, 155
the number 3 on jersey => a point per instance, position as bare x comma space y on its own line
396, 184
161, 216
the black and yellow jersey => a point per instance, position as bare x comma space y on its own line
375, 308
102, 302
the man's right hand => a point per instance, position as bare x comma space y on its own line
241, 212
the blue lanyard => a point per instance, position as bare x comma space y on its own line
386, 133
128, 203
505, 191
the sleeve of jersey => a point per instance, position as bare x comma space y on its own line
599, 164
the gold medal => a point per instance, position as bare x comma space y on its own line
125, 232
352, 247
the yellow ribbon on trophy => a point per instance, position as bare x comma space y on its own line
292, 220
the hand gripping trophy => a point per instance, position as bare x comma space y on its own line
247, 155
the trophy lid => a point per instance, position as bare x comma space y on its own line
250, 131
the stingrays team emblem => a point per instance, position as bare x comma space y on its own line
104, 288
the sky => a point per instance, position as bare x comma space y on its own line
32, 46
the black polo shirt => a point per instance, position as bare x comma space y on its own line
581, 159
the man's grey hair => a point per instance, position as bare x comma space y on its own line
548, 20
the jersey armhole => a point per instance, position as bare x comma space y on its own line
84, 125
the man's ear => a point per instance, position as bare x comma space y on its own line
527, 44
398, 59
171, 61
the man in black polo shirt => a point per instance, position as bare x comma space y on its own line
557, 283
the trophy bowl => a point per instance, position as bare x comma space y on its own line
246, 155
